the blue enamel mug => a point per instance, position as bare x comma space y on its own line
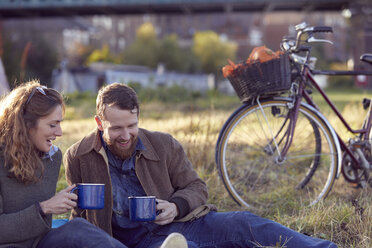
142, 208
90, 195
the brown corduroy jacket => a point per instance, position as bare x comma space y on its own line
163, 170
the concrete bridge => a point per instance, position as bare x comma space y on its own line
48, 8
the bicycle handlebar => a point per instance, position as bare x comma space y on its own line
320, 29
296, 45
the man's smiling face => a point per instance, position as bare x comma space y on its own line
120, 131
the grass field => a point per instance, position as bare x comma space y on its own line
345, 217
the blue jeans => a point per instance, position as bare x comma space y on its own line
78, 233
234, 229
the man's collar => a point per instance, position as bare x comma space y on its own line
149, 153
140, 146
90, 142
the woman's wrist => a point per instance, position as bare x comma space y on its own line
41, 207
44, 208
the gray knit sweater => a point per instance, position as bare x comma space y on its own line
21, 223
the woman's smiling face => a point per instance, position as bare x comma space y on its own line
47, 129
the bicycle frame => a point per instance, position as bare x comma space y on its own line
303, 94
363, 132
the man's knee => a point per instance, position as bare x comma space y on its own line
79, 222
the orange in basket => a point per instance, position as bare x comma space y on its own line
259, 54
262, 54
227, 70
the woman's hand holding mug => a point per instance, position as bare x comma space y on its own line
61, 203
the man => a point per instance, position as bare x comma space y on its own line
135, 162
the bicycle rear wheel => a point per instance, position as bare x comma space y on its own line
247, 156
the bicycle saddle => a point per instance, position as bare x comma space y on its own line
367, 57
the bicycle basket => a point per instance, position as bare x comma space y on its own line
267, 78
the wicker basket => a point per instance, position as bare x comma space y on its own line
271, 77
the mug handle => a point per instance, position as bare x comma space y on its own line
72, 191
158, 211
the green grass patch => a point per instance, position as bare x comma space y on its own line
196, 122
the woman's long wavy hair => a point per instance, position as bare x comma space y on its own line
20, 110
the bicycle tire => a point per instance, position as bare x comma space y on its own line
253, 177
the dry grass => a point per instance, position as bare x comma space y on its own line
345, 217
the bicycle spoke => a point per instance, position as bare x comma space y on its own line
250, 167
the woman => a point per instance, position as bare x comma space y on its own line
30, 118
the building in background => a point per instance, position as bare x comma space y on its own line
93, 77
248, 30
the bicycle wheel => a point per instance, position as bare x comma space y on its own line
247, 156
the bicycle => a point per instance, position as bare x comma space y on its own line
278, 149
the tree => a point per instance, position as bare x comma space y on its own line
39, 63
41, 60
149, 51
212, 51
144, 50
102, 55
11, 61
170, 53
78, 54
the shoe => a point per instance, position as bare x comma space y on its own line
174, 240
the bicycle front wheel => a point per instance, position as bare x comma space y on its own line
248, 152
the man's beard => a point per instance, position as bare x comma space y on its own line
123, 154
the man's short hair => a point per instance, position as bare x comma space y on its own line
118, 95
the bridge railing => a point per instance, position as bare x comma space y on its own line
41, 8
78, 3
